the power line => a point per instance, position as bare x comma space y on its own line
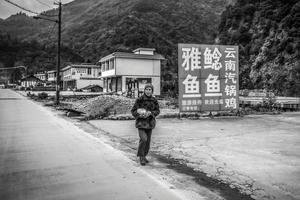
13, 67
43, 3
8, 1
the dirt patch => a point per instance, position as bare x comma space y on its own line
202, 179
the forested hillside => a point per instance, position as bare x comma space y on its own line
37, 57
268, 34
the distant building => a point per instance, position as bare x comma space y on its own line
129, 72
51, 76
42, 76
31, 81
77, 76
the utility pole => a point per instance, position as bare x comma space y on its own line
58, 49
58, 55
43, 16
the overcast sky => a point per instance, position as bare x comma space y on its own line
7, 9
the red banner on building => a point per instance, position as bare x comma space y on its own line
208, 77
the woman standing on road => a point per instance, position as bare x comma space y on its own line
145, 110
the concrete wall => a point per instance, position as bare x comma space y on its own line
111, 72
134, 67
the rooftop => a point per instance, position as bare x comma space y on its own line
146, 51
79, 66
132, 55
31, 78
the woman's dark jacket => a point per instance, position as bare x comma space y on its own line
149, 104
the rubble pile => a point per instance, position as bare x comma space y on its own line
116, 107
104, 105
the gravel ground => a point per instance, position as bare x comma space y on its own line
258, 154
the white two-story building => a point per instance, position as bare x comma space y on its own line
81, 75
129, 72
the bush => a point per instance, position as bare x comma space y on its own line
42, 95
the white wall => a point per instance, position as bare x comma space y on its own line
111, 72
156, 85
128, 66
52, 79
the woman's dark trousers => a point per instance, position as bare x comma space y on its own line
144, 144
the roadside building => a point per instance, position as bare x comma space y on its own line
31, 81
127, 73
78, 76
52, 76
41, 75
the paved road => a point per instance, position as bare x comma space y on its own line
45, 157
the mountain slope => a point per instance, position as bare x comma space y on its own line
37, 57
268, 34
19, 25
86, 23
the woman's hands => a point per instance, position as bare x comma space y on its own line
143, 113
147, 114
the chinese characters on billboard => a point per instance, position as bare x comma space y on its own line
208, 77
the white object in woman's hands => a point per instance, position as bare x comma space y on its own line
143, 113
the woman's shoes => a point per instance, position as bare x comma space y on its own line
147, 161
143, 160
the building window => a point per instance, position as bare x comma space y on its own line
111, 64
106, 65
81, 70
101, 67
89, 71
